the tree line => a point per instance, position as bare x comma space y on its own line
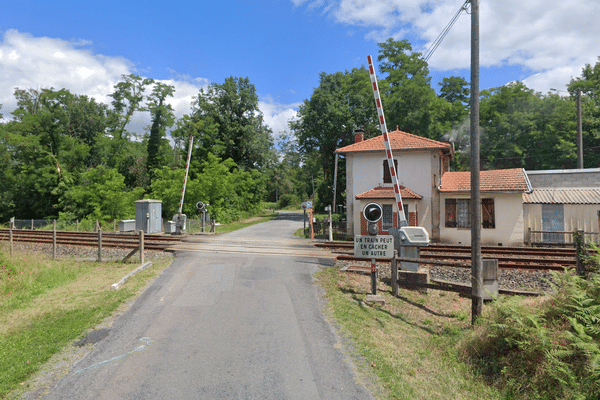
67, 156
520, 128
64, 155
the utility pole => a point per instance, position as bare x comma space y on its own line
476, 259
579, 132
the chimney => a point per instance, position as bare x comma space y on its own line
359, 136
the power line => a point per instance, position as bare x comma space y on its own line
445, 32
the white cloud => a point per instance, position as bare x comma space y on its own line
277, 115
41, 62
553, 39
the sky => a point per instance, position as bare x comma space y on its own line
281, 45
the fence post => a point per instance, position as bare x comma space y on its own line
528, 239
10, 238
77, 222
141, 246
31, 224
395, 275
490, 278
54, 241
99, 245
581, 254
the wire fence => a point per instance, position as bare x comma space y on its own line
192, 225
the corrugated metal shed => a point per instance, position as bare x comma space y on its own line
562, 196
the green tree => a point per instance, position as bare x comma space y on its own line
455, 90
342, 103
162, 118
589, 85
408, 99
101, 194
232, 124
522, 128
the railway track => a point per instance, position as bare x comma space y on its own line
122, 240
456, 255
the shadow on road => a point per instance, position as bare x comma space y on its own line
289, 216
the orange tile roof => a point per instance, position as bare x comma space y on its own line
398, 141
498, 180
387, 192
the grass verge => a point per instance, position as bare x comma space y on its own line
410, 342
45, 304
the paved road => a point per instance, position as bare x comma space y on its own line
237, 324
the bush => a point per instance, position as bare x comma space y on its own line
289, 200
544, 348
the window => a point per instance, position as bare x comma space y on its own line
388, 217
458, 213
463, 216
387, 178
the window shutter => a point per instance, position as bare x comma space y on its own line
487, 213
450, 213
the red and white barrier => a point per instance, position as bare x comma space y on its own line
401, 217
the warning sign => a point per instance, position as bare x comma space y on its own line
381, 246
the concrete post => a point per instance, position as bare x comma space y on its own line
10, 238
141, 246
490, 279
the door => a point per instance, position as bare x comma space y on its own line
553, 220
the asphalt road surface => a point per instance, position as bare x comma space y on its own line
236, 316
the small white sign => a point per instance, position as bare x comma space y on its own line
381, 246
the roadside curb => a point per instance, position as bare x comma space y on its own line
117, 286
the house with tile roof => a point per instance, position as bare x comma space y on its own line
433, 196
501, 206
420, 163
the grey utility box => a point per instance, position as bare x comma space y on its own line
127, 225
148, 216
170, 227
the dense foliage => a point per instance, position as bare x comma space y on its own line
67, 156
59, 145
519, 127
548, 349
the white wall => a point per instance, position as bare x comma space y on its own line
509, 230
576, 216
364, 171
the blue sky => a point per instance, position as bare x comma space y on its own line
280, 45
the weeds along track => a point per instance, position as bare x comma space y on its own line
122, 240
533, 258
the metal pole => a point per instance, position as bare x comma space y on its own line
395, 275
337, 156
579, 132
373, 276
187, 169
476, 259
330, 226
390, 158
